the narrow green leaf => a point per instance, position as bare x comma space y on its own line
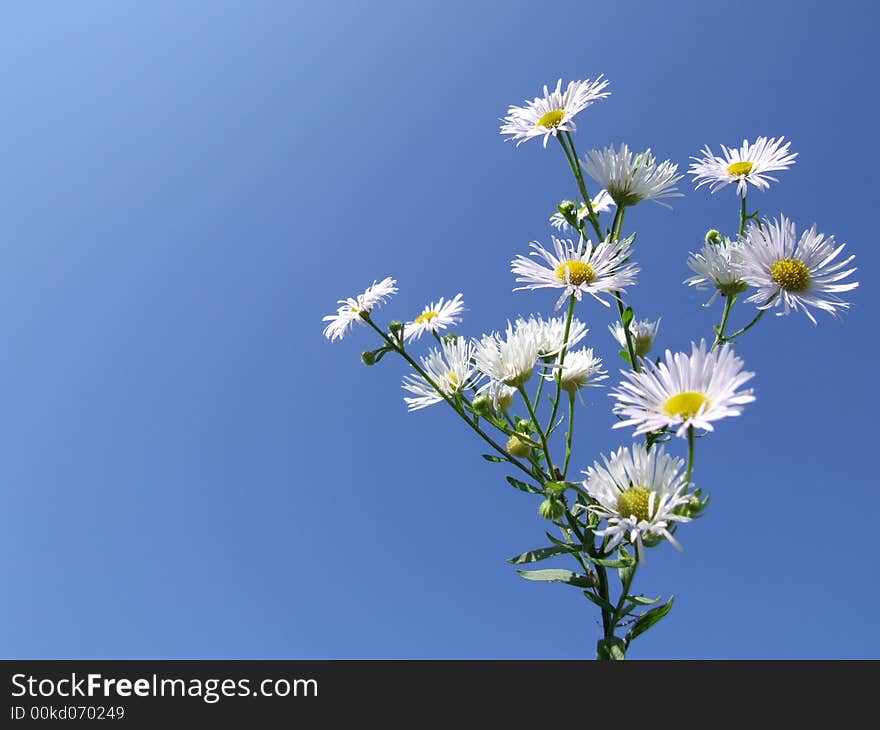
647, 620
557, 575
613, 649
628, 315
560, 543
642, 601
607, 562
533, 556
523, 486
599, 601
492, 457
625, 355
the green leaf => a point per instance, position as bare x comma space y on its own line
642, 601
492, 457
558, 487
557, 575
599, 601
612, 649
560, 543
533, 556
627, 317
522, 486
647, 620
608, 563
625, 355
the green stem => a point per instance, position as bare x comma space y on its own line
720, 339
540, 430
618, 611
562, 354
745, 329
575, 164
488, 439
568, 436
690, 468
742, 217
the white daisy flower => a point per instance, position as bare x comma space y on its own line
580, 368
434, 317
792, 273
449, 367
602, 203
509, 359
577, 269
684, 391
748, 164
550, 333
350, 310
630, 179
643, 334
638, 492
717, 266
554, 112
500, 394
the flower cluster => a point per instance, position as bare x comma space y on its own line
516, 386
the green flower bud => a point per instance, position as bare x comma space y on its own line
713, 236
368, 357
518, 446
483, 405
551, 509
566, 207
523, 426
450, 339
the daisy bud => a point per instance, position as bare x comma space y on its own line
551, 509
368, 357
518, 446
713, 236
566, 207
483, 405
396, 328
523, 426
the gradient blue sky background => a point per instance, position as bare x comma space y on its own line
191, 470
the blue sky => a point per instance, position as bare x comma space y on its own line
191, 470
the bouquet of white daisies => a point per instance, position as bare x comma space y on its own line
517, 388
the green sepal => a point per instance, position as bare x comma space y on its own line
533, 556
557, 575
647, 620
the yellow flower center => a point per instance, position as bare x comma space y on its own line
686, 404
740, 168
791, 274
551, 119
426, 317
634, 503
453, 382
575, 272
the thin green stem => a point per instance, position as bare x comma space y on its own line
690, 468
742, 217
569, 434
575, 164
720, 339
568, 318
540, 430
455, 406
745, 329
627, 585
